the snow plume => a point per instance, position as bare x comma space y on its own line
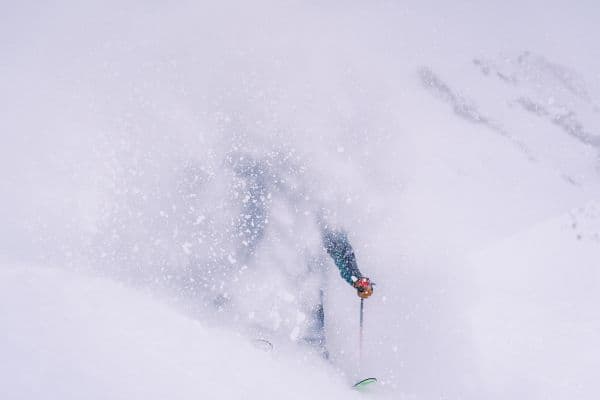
192, 150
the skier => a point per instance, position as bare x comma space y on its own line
258, 179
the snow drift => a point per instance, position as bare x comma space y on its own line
71, 337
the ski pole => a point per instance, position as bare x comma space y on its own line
360, 344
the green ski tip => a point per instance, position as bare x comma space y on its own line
364, 383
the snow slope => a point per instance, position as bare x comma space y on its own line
536, 316
69, 336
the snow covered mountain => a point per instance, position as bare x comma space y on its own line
456, 143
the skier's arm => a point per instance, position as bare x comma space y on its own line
338, 247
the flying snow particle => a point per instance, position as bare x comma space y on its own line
295, 333
187, 247
300, 317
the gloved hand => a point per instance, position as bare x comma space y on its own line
364, 287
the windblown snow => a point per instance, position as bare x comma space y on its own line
163, 167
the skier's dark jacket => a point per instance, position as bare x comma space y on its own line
252, 221
338, 247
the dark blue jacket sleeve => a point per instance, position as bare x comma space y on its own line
338, 247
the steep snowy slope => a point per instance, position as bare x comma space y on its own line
66, 336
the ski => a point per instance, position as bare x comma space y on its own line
362, 384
